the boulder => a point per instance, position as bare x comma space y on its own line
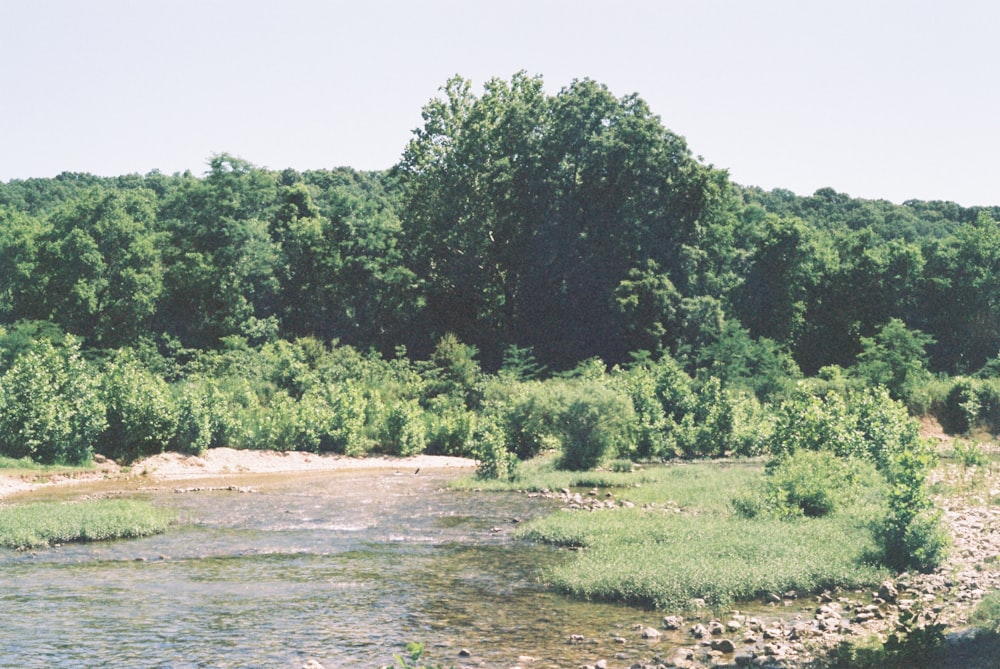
888, 591
723, 645
651, 633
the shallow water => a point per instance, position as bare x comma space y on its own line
341, 567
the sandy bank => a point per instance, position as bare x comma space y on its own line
221, 461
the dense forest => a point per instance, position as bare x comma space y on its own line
574, 226
521, 236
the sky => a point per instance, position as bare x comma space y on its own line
880, 99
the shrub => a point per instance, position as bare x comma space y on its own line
961, 407
488, 443
911, 536
987, 613
651, 423
139, 411
531, 416
193, 420
449, 426
866, 424
50, 409
402, 429
812, 484
596, 423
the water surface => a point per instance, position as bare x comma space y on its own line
340, 567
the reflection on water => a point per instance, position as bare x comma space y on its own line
340, 567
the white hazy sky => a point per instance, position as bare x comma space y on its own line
889, 99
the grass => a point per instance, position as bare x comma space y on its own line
40, 524
27, 466
688, 542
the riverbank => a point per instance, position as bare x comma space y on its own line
801, 631
220, 462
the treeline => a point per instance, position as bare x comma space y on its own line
574, 225
533, 232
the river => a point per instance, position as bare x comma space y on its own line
338, 567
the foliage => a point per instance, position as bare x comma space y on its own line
414, 651
595, 424
987, 613
814, 484
50, 409
895, 358
41, 524
699, 549
139, 410
916, 640
867, 424
488, 443
402, 430
912, 535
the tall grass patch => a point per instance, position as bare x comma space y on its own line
41, 524
685, 541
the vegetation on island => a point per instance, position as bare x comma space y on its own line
549, 276
42, 524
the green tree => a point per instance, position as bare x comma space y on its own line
221, 268
896, 358
524, 213
99, 273
20, 238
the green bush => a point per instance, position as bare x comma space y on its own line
812, 484
531, 414
652, 429
597, 422
139, 411
193, 433
50, 408
987, 613
402, 429
961, 407
866, 424
449, 426
912, 535
489, 444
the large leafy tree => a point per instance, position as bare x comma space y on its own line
341, 273
960, 297
222, 262
524, 213
98, 272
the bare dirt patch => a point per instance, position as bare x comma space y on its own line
222, 461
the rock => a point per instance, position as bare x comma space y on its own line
312, 664
525, 659
733, 625
465, 652
743, 659
601, 664
682, 657
699, 631
715, 628
672, 622
774, 650
723, 645
888, 591
576, 638
651, 633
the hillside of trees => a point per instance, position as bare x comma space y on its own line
573, 225
521, 234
